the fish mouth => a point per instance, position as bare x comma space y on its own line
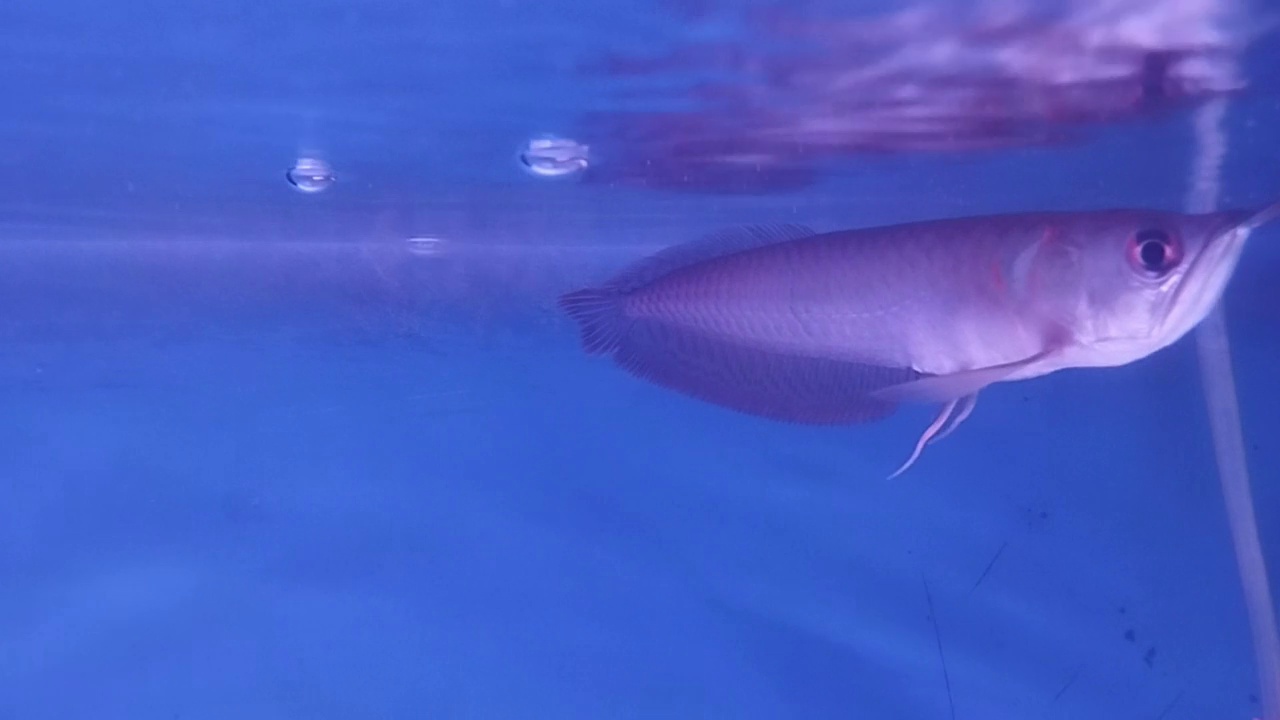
1260, 218
1212, 267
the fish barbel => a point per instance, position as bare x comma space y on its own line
841, 327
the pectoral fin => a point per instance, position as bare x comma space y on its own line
946, 388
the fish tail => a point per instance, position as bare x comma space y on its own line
598, 312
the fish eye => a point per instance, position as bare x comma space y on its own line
1153, 252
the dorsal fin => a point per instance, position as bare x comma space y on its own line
718, 244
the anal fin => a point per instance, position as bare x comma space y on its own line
774, 385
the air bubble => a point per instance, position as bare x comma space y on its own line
310, 175
554, 157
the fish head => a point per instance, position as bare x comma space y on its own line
1147, 278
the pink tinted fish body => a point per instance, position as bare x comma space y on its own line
840, 327
921, 296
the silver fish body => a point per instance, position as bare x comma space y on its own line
841, 326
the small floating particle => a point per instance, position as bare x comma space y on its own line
310, 175
554, 157
425, 246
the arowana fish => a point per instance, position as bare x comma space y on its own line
841, 327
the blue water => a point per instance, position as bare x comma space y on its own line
260, 462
